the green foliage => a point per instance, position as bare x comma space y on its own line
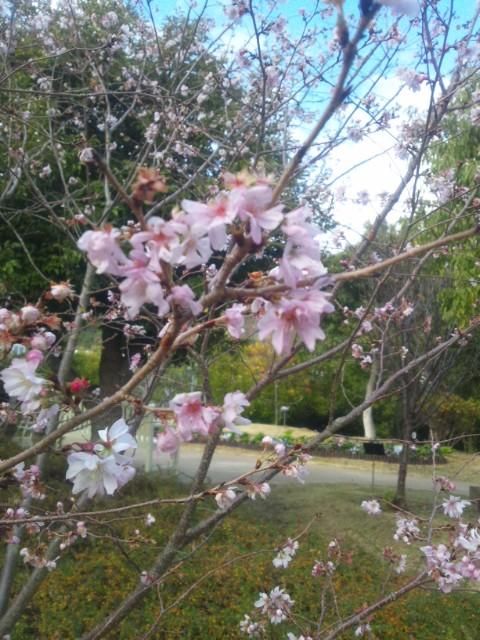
307, 393
86, 363
453, 416
257, 438
456, 159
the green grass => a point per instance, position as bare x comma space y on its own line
94, 576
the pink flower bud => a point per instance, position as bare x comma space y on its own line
280, 449
78, 385
50, 337
29, 314
39, 342
5, 315
35, 356
61, 291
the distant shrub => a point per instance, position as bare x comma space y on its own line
86, 364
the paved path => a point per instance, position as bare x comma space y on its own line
230, 462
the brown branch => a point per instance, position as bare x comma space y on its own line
384, 602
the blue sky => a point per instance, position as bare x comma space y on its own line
288, 8
375, 175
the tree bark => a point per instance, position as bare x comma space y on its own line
114, 372
369, 429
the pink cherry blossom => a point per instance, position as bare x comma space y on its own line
96, 475
253, 205
441, 482
406, 530
195, 249
29, 314
301, 255
234, 404
275, 605
468, 539
235, 320
161, 240
357, 351
29, 480
296, 471
35, 356
38, 341
263, 490
321, 569
280, 449
191, 415
214, 217
103, 250
441, 567
225, 498
454, 506
299, 314
149, 520
286, 554
125, 471
141, 286
168, 441
135, 361
362, 630
185, 298
402, 564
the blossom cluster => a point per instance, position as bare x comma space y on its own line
188, 240
275, 605
372, 507
37, 560
29, 480
26, 337
286, 554
453, 564
296, 469
191, 416
448, 563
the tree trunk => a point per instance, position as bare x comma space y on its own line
369, 430
114, 372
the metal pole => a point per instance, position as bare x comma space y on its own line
275, 400
149, 445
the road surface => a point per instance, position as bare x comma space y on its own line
230, 462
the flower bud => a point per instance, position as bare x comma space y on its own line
61, 291
29, 314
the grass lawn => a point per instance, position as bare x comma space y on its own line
95, 574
